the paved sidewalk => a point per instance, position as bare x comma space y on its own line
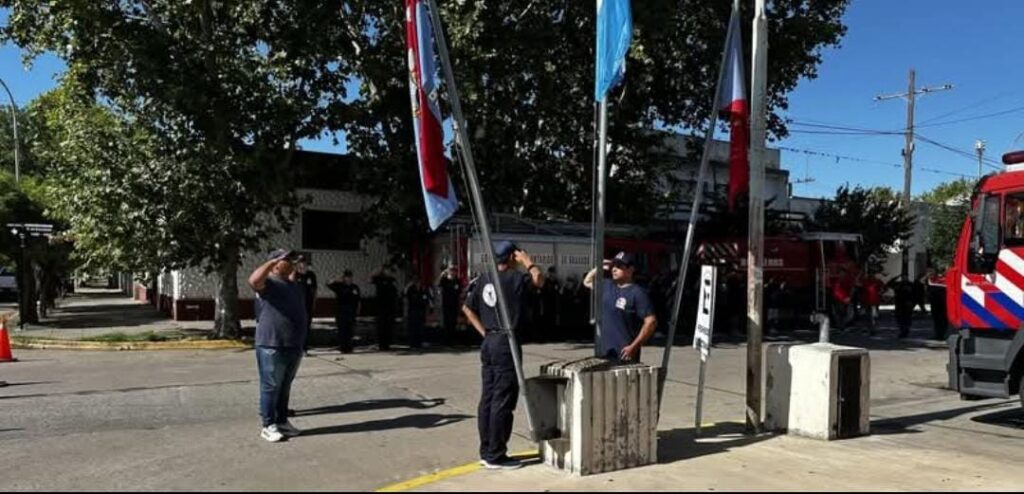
92, 312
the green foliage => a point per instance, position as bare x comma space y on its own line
525, 74
873, 213
950, 193
950, 205
200, 101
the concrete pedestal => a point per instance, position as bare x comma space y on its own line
606, 414
819, 390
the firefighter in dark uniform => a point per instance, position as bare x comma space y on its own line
500, 389
627, 314
349, 297
903, 289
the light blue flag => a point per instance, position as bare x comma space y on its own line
614, 34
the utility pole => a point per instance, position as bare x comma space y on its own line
755, 239
908, 149
979, 146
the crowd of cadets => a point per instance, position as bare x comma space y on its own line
560, 309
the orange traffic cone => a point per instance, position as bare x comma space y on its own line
5, 343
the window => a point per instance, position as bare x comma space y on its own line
985, 238
1013, 221
988, 231
330, 230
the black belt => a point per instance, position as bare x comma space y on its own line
496, 331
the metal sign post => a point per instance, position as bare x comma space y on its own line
703, 331
698, 197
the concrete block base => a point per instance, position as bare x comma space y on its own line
819, 390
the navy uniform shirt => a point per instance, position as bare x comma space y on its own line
281, 314
308, 281
623, 310
483, 299
348, 298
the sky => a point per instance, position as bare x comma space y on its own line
974, 46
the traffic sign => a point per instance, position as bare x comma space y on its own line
705, 311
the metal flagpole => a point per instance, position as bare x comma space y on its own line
593, 205
698, 195
755, 239
602, 175
462, 137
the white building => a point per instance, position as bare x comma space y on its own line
326, 231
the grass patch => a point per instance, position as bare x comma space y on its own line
120, 337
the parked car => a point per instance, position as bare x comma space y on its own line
8, 284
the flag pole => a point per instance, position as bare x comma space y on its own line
462, 139
698, 195
755, 239
599, 218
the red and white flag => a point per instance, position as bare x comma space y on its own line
438, 192
734, 102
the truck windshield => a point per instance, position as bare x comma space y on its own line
1013, 221
988, 231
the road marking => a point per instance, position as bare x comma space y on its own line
446, 474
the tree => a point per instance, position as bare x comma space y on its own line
525, 74
950, 204
223, 90
873, 213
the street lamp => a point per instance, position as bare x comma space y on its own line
14, 118
979, 146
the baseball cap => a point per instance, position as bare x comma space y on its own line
278, 253
503, 249
624, 259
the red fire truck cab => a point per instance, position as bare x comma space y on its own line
985, 289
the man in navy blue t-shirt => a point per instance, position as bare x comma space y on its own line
500, 385
627, 314
281, 331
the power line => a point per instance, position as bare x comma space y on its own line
843, 128
972, 156
968, 107
838, 157
976, 117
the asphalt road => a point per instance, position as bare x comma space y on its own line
187, 420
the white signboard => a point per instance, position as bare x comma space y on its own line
705, 311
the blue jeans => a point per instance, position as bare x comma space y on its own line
277, 367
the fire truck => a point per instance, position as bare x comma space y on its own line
804, 264
985, 289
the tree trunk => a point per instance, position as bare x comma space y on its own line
45, 291
31, 315
226, 324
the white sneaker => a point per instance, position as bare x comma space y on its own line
288, 429
505, 463
272, 434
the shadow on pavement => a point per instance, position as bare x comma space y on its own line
28, 383
1013, 418
420, 421
366, 405
903, 425
100, 310
683, 444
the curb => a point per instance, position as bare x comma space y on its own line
449, 473
57, 344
